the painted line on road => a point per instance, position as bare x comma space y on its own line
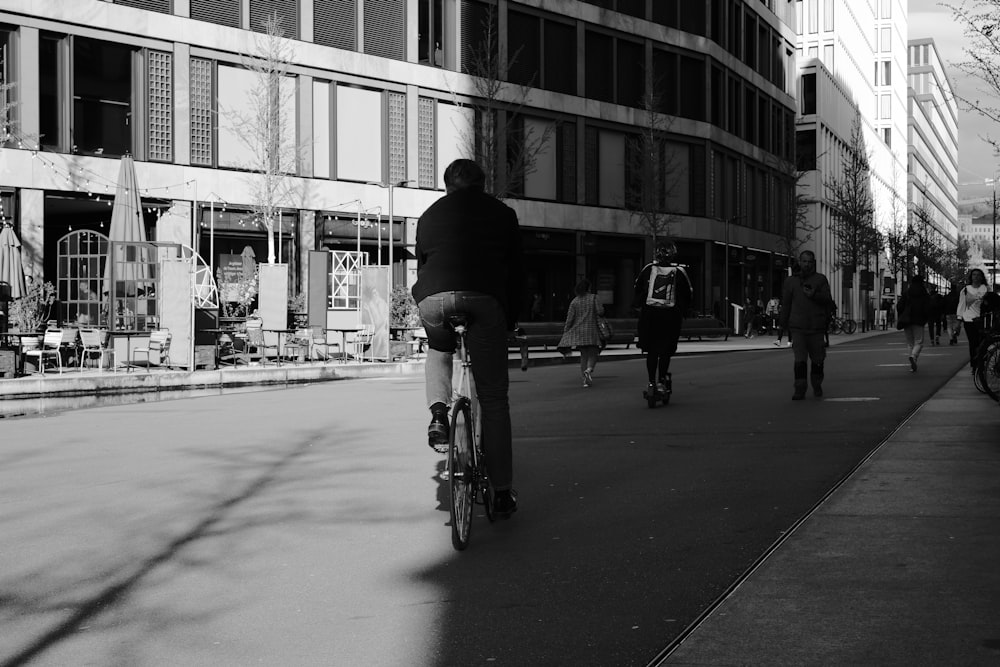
851, 399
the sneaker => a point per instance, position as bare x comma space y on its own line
661, 389
504, 503
588, 379
913, 365
438, 431
777, 343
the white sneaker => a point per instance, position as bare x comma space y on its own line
777, 343
587, 379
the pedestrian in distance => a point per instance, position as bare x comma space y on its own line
771, 311
796, 271
750, 313
913, 313
951, 314
805, 307
935, 315
969, 311
470, 261
663, 293
580, 330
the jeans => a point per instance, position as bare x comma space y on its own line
974, 333
914, 339
486, 340
807, 346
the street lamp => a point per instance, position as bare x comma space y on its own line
725, 284
390, 185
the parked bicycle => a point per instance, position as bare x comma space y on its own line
842, 325
986, 370
468, 480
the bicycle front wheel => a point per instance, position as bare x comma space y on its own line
850, 326
834, 327
461, 473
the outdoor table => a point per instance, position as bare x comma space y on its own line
416, 345
343, 339
282, 335
219, 333
128, 334
20, 335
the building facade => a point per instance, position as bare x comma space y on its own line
933, 141
381, 92
853, 54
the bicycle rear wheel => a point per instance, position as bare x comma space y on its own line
834, 326
990, 370
461, 474
850, 326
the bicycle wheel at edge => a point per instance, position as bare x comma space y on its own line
461, 474
990, 370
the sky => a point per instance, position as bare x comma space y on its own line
976, 162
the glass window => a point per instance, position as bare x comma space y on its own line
524, 35
599, 80
631, 77
479, 39
52, 128
886, 43
665, 70
886, 72
345, 280
79, 278
692, 79
560, 57
808, 94
102, 97
430, 32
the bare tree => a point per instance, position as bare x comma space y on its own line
652, 171
798, 226
924, 245
262, 125
499, 141
981, 23
853, 205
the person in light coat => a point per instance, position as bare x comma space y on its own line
580, 330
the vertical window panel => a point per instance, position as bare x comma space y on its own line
321, 129
599, 76
201, 118
397, 137
631, 66
359, 134
160, 106
425, 142
524, 36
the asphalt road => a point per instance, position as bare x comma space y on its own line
308, 526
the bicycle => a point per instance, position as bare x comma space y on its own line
842, 325
986, 372
467, 477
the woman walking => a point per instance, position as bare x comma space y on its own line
970, 301
914, 311
580, 330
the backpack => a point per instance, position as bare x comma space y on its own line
662, 289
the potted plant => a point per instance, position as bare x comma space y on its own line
298, 313
236, 299
31, 311
403, 311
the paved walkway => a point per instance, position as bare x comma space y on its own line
898, 566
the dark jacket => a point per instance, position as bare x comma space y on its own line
803, 313
951, 301
935, 305
468, 240
918, 301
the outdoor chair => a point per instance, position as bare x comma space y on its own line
362, 342
94, 344
320, 345
158, 347
256, 343
51, 348
298, 344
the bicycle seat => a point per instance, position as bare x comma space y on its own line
458, 320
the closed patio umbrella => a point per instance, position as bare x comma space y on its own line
127, 225
11, 270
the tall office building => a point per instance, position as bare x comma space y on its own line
379, 92
932, 145
852, 59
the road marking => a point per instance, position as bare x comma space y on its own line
851, 399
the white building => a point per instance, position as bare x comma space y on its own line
933, 140
857, 52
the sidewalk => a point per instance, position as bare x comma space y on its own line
100, 382
898, 566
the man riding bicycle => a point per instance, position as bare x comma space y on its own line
469, 261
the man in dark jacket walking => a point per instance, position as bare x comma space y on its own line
805, 306
469, 261
935, 314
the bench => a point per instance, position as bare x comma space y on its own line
709, 327
547, 334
